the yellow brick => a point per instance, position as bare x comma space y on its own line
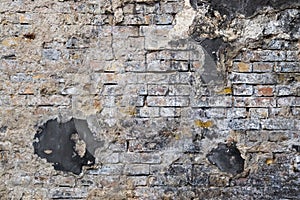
243, 67
203, 124
227, 90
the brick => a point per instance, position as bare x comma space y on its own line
215, 113
169, 112
288, 78
109, 112
51, 54
21, 77
108, 158
112, 90
155, 36
129, 157
290, 67
263, 90
149, 112
66, 193
278, 44
279, 136
109, 101
150, 158
296, 111
135, 89
170, 7
137, 180
157, 66
101, 66
173, 55
254, 101
153, 78
243, 90
237, 113
285, 101
278, 124
180, 78
292, 55
108, 169
140, 102
296, 102
242, 67
263, 67
164, 19
135, 66
252, 135
281, 111
253, 78
137, 169
268, 55
220, 101
244, 124
259, 113
105, 78
167, 101
181, 90
284, 90
123, 32
54, 100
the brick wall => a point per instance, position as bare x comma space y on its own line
157, 88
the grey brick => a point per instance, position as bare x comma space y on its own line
156, 37
149, 112
137, 180
137, 169
164, 19
259, 112
254, 101
284, 90
268, 55
253, 78
285, 101
52, 54
243, 90
215, 113
220, 101
278, 124
244, 124
290, 66
237, 113
176, 101
181, 90
169, 112
157, 90
108, 169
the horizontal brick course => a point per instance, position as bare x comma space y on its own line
167, 101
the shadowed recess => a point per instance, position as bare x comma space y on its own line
227, 158
231, 8
65, 145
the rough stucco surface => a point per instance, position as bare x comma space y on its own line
165, 87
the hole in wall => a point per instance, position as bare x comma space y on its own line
69, 146
227, 158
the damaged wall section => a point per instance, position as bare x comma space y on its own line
69, 146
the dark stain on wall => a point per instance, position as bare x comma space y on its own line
227, 158
55, 141
231, 8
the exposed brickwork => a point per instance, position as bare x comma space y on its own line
159, 101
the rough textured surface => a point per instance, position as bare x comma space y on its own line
227, 158
60, 144
159, 84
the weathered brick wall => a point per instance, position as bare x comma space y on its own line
184, 99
